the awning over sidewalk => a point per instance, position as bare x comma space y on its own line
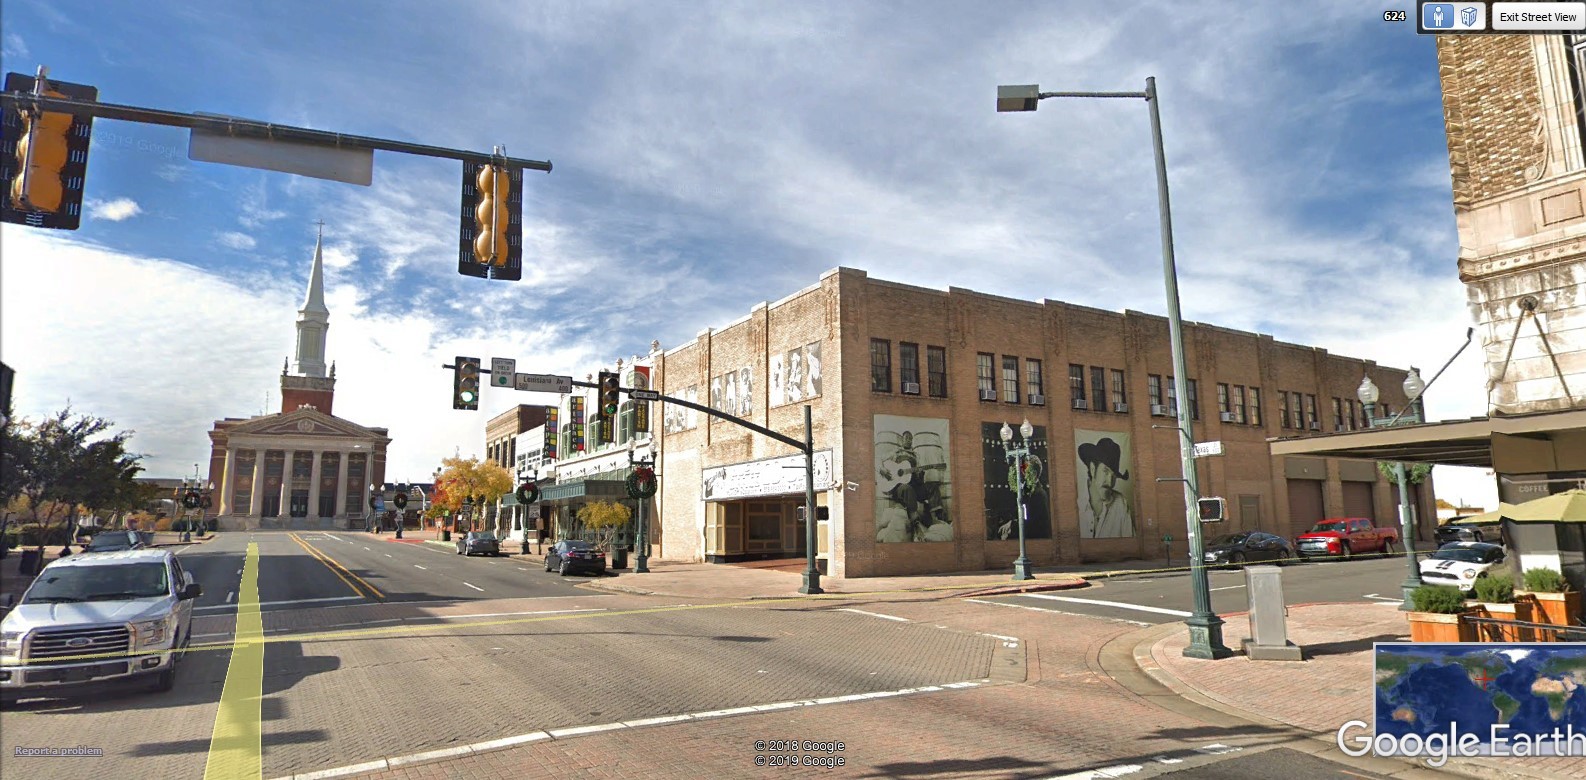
585, 488
1451, 443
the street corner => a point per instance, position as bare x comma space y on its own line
1038, 586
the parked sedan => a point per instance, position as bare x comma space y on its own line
1240, 548
479, 542
112, 541
572, 556
1449, 532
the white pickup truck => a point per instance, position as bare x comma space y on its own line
94, 618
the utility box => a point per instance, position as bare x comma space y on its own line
1269, 637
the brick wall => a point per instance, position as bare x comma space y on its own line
1491, 105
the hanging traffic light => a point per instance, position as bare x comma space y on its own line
45, 156
492, 222
465, 384
606, 409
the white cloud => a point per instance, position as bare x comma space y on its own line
13, 48
113, 210
256, 211
235, 240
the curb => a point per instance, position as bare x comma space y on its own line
1077, 582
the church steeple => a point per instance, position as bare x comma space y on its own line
313, 320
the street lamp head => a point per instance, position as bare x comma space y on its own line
1022, 97
1027, 430
1413, 384
1007, 434
1368, 392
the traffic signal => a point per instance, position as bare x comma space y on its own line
606, 409
45, 156
492, 222
465, 384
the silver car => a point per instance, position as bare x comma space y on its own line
95, 618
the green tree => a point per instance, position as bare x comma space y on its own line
1414, 473
64, 462
604, 519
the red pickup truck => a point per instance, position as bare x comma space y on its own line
1345, 536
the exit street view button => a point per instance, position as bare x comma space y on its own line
1539, 16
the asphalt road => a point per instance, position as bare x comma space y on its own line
1166, 598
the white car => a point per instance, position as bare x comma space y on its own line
92, 618
1461, 563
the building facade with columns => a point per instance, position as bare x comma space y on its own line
302, 467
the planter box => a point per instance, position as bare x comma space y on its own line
1518, 611
1556, 609
1436, 627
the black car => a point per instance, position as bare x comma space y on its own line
1448, 532
112, 541
572, 556
479, 542
1247, 547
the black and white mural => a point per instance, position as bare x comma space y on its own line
796, 375
1106, 494
1002, 516
913, 480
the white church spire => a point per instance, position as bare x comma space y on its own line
313, 320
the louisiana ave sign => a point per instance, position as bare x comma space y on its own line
542, 383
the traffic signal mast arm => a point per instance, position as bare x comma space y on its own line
247, 128
788, 440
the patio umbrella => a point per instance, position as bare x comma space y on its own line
1496, 515
1566, 507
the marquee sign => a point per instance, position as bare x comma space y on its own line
774, 477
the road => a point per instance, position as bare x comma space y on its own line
374, 649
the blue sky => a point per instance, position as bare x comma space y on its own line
708, 156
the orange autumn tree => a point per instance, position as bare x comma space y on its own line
468, 478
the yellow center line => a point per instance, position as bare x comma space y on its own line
236, 746
338, 569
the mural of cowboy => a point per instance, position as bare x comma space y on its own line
1105, 492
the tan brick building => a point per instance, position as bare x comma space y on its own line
909, 387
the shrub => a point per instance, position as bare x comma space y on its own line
1495, 590
164, 523
1544, 580
1441, 599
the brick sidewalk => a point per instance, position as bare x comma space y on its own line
728, 581
1332, 687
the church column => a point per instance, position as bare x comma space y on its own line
313, 485
256, 501
226, 480
286, 485
341, 484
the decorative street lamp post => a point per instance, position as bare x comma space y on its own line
1205, 627
1411, 414
1018, 456
641, 486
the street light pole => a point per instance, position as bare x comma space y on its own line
1018, 456
1368, 393
1205, 627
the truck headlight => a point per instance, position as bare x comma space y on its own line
10, 643
150, 632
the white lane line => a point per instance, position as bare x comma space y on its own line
1375, 597
520, 568
388, 555
366, 548
278, 603
574, 731
507, 614
475, 587
1114, 604
416, 566
876, 614
338, 538
1225, 587
1122, 770
230, 596
1061, 612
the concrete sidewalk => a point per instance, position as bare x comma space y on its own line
768, 580
1318, 695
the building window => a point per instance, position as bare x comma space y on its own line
242, 482
625, 423
936, 371
1349, 406
1222, 400
355, 483
1010, 379
1172, 396
1255, 406
274, 471
1153, 389
1239, 404
1311, 421
983, 376
1098, 388
1338, 414
1120, 393
1034, 382
1194, 401
1298, 402
329, 471
1076, 384
909, 367
1283, 413
880, 366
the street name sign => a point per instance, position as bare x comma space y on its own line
645, 395
501, 371
543, 383
1208, 448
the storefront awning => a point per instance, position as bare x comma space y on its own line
585, 488
1449, 443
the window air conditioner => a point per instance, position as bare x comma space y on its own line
1121, 408
1080, 403
1158, 410
1316, 426
988, 395
1226, 417
1036, 399
911, 388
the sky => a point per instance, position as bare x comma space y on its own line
708, 156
